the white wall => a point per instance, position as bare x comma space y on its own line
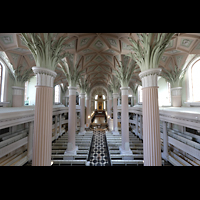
32, 90
162, 92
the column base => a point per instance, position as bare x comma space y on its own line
115, 132
127, 152
166, 158
68, 153
82, 133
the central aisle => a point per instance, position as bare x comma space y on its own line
99, 155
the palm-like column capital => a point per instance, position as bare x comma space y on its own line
148, 50
46, 48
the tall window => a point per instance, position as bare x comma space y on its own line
95, 106
139, 94
26, 93
57, 94
195, 72
169, 92
1, 69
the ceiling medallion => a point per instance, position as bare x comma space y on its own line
186, 42
99, 44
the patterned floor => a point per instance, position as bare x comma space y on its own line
99, 152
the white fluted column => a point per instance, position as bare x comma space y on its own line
125, 149
60, 123
56, 124
71, 148
176, 94
132, 101
151, 121
165, 142
82, 124
17, 97
115, 124
42, 138
30, 141
88, 120
141, 127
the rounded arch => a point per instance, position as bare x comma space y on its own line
189, 65
99, 86
5, 65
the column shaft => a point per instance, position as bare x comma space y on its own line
82, 124
30, 141
115, 125
125, 123
71, 122
176, 94
17, 97
136, 130
165, 141
151, 121
42, 137
151, 128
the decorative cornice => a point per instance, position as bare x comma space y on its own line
115, 95
124, 90
82, 95
177, 91
72, 90
149, 77
18, 90
45, 77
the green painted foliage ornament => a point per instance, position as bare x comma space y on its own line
114, 84
46, 48
175, 76
83, 84
124, 73
20, 75
72, 73
148, 50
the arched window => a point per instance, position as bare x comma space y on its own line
96, 97
26, 97
1, 69
2, 83
57, 94
139, 94
195, 82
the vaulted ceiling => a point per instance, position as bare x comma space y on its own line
99, 53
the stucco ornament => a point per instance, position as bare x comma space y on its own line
83, 84
20, 75
72, 73
149, 48
134, 87
124, 73
175, 76
46, 48
64, 88
114, 84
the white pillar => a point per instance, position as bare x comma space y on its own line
176, 95
141, 127
30, 141
165, 142
60, 119
42, 137
151, 121
71, 148
56, 124
125, 149
17, 97
82, 122
132, 101
136, 130
115, 124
